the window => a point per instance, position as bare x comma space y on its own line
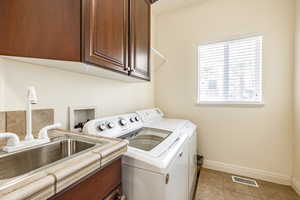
230, 72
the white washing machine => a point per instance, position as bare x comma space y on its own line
154, 118
156, 164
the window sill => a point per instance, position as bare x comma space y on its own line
231, 104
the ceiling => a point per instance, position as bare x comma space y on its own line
163, 6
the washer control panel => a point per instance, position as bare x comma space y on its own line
114, 126
150, 115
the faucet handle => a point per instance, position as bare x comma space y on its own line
13, 139
43, 134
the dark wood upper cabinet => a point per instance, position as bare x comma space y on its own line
47, 29
110, 34
105, 28
140, 33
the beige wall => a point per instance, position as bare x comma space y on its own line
253, 137
297, 100
58, 89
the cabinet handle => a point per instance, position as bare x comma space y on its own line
123, 197
132, 69
180, 155
116, 195
167, 178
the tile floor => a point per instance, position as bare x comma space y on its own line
214, 185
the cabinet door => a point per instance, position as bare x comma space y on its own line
140, 27
105, 30
95, 186
41, 29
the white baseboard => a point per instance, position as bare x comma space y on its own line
248, 172
296, 185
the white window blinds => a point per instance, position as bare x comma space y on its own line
230, 72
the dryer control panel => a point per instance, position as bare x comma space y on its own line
150, 115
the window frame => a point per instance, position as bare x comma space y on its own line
238, 103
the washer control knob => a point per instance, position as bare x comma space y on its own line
123, 122
102, 127
111, 125
137, 118
132, 119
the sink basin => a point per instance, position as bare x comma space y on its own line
20, 163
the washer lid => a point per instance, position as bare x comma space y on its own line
158, 162
146, 139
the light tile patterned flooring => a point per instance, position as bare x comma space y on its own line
214, 185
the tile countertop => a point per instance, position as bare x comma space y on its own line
51, 180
